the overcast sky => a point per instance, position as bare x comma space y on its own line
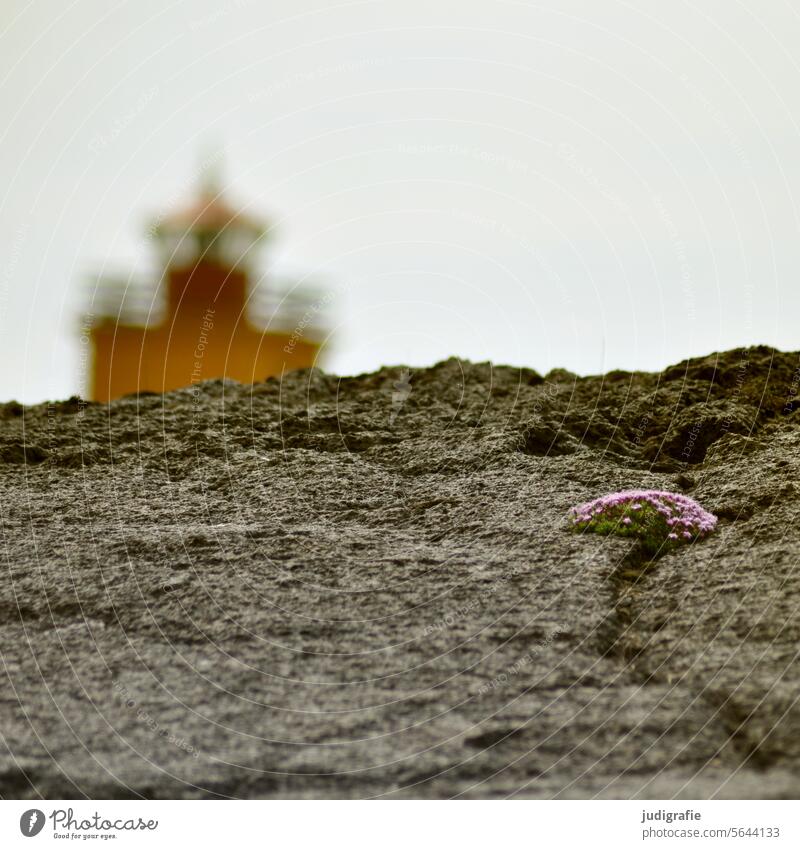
585, 183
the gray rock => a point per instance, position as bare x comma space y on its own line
325, 587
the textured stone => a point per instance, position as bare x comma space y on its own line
327, 587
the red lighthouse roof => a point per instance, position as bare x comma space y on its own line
210, 212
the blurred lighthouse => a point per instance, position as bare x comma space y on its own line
205, 319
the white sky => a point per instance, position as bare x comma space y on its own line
587, 183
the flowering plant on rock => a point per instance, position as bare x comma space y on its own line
660, 520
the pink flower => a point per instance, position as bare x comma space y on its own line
653, 515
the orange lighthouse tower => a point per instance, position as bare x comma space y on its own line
205, 328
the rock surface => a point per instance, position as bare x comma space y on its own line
366, 587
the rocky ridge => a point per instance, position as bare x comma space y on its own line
366, 587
